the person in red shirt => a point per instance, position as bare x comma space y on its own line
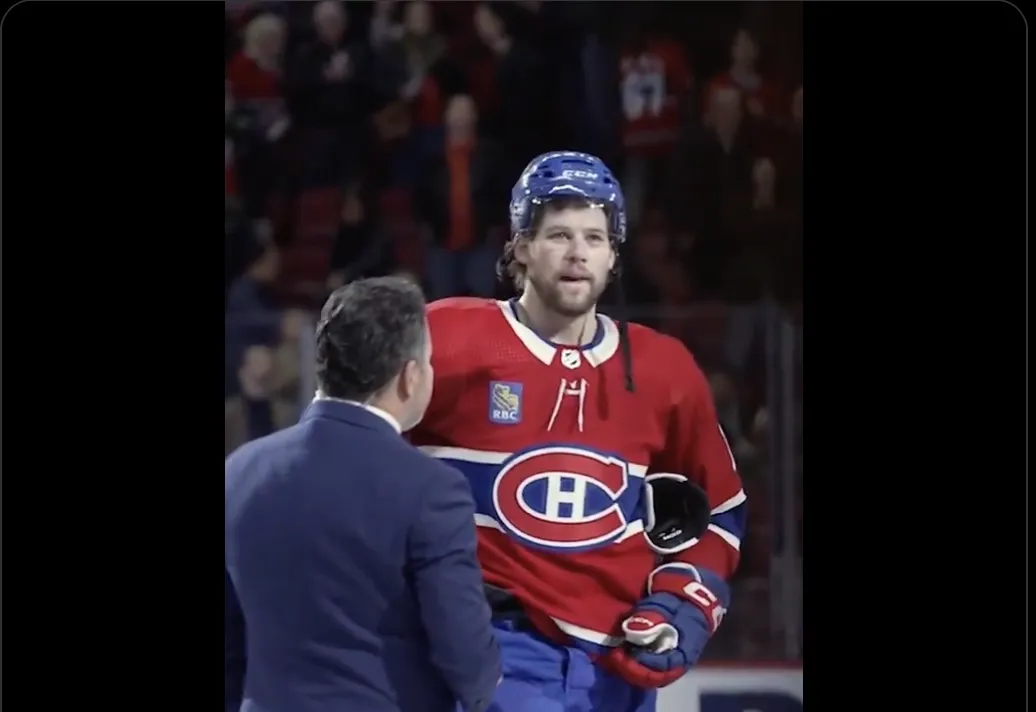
655, 79
255, 71
762, 98
255, 79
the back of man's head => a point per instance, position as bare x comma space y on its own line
368, 331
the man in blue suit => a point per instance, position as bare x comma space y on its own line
351, 578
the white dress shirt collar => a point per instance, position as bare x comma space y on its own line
384, 415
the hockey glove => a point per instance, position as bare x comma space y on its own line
668, 629
676, 512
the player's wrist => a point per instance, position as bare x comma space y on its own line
691, 585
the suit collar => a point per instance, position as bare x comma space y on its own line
352, 413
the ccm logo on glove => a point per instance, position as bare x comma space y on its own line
708, 602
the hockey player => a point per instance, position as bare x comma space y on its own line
609, 510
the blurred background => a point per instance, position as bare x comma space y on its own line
369, 138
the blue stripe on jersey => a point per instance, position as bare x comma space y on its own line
482, 476
732, 521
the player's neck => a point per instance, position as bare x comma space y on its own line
556, 328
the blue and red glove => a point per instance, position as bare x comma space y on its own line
667, 631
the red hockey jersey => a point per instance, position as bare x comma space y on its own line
556, 449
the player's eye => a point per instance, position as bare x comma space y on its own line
595, 237
561, 235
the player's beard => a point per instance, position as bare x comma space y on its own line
553, 295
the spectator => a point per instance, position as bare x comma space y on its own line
360, 249
459, 202
765, 265
764, 243
732, 138
261, 118
329, 90
655, 86
383, 31
248, 414
260, 349
255, 70
327, 75
649, 255
422, 51
248, 153
509, 89
418, 74
240, 240
253, 308
762, 98
267, 397
414, 61
712, 177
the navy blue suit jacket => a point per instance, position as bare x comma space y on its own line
351, 577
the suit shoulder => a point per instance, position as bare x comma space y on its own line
248, 451
254, 459
425, 470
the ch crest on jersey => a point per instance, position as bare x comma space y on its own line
563, 498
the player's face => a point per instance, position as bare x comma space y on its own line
419, 377
568, 259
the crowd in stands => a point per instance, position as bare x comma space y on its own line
372, 138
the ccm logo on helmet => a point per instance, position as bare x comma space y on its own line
582, 175
563, 497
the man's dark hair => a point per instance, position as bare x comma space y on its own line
367, 331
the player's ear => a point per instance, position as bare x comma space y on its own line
612, 256
521, 250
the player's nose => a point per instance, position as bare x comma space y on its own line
578, 249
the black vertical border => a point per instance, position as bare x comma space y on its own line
111, 210
916, 280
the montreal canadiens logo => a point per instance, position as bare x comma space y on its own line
562, 497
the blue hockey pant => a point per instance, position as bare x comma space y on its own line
540, 676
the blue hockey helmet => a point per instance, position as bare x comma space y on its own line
567, 174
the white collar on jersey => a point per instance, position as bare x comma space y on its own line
384, 415
604, 347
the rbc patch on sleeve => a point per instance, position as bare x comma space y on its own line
505, 402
